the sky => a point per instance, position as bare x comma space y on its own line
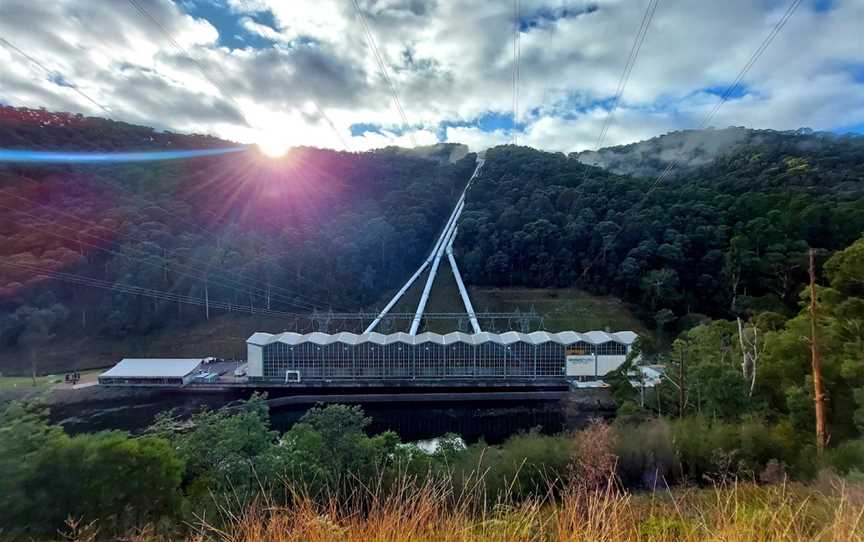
263, 71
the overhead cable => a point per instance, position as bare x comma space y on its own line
53, 74
382, 67
729, 92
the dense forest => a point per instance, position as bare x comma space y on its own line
314, 230
724, 239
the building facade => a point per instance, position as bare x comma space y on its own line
369, 357
151, 372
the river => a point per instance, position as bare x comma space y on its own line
491, 421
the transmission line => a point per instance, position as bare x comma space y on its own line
329, 121
382, 67
147, 292
517, 54
147, 15
244, 289
647, 17
730, 90
6, 43
246, 283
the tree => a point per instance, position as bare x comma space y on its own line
47, 476
225, 450
342, 449
39, 327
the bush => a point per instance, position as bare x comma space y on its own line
646, 455
716, 450
847, 457
525, 465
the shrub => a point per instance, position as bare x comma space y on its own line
646, 455
847, 457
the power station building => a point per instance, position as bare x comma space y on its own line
457, 357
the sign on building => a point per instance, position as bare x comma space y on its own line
580, 362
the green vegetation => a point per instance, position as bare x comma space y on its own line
726, 239
762, 370
562, 309
713, 261
316, 229
220, 466
41, 382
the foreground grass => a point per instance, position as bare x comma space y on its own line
41, 382
433, 512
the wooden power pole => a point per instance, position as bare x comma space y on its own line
816, 362
681, 385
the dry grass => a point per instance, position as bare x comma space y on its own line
434, 511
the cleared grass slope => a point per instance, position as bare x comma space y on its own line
562, 309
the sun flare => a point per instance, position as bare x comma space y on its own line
272, 148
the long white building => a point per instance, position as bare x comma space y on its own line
398, 357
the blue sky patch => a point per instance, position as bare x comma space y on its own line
229, 24
361, 128
738, 92
545, 17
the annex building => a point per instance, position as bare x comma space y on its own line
150, 372
454, 358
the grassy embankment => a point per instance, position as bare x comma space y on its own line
826, 511
562, 309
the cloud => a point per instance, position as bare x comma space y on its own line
451, 62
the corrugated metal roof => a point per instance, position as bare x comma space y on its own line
154, 367
509, 337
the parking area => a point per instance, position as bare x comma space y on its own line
219, 372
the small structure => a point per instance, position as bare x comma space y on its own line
154, 372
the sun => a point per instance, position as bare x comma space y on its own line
273, 148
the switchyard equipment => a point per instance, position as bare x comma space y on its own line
376, 359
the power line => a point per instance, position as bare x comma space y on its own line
517, 54
244, 289
327, 119
730, 90
147, 292
247, 284
51, 73
324, 115
382, 67
647, 17
147, 15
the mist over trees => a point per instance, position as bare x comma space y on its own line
724, 239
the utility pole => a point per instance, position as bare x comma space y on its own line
816, 362
681, 385
682, 395
206, 299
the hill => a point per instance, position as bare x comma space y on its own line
315, 229
726, 238
695, 148
321, 229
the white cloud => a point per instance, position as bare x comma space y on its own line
451, 61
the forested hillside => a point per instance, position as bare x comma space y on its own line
726, 238
321, 229
315, 229
691, 148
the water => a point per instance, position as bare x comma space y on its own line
491, 421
